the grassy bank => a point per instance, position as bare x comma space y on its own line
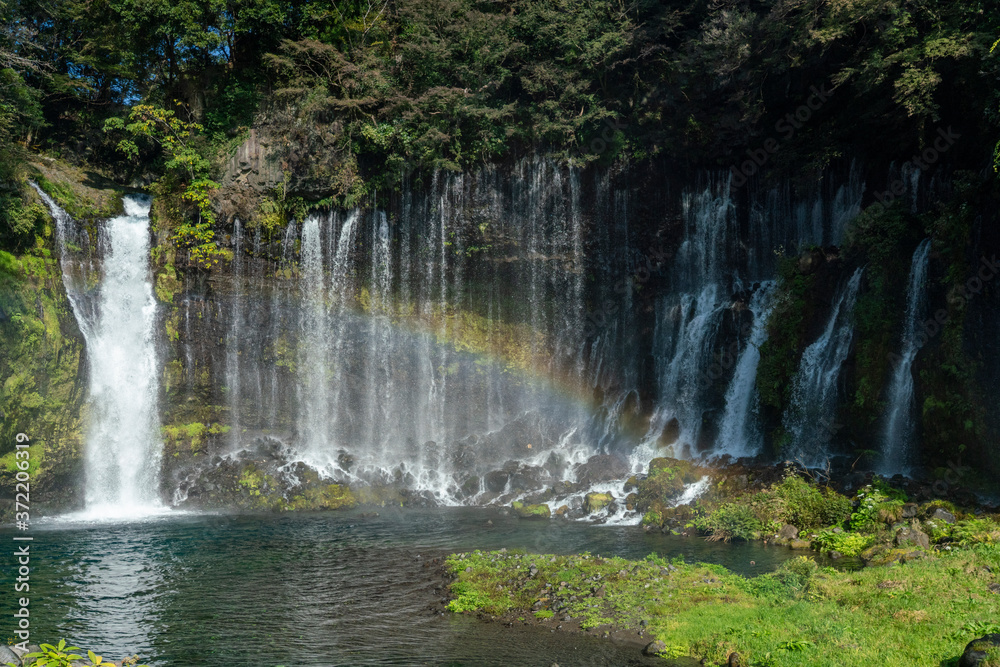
920, 613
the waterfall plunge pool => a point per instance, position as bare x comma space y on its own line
323, 589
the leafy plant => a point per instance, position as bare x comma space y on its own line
59, 655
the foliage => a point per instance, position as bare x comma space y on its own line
800, 612
62, 655
781, 352
877, 505
808, 508
730, 521
849, 544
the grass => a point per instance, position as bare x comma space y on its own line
921, 613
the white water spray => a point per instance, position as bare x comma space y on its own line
123, 451
899, 423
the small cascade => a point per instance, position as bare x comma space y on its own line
739, 434
313, 349
236, 329
810, 420
900, 426
688, 319
123, 451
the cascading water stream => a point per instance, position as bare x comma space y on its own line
810, 418
123, 451
900, 427
738, 432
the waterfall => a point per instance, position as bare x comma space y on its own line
688, 319
123, 450
314, 387
738, 432
236, 330
810, 420
899, 423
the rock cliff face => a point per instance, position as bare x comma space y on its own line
481, 336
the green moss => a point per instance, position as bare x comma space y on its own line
799, 614
530, 511
167, 284
595, 502
329, 497
786, 329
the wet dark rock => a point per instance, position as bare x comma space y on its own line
975, 651
496, 481
735, 660
601, 468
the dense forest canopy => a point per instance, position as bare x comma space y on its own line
406, 84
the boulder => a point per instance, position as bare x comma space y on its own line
7, 655
788, 532
943, 515
910, 510
595, 502
601, 468
975, 652
800, 544
912, 537
32, 648
531, 511
630, 501
496, 481
654, 648
735, 660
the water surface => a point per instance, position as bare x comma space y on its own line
339, 588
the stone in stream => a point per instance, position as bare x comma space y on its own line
595, 502
531, 511
975, 652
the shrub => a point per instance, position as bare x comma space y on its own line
876, 507
731, 521
808, 508
849, 544
976, 531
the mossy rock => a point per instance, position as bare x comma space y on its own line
595, 502
886, 554
329, 497
531, 511
666, 480
982, 652
652, 518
